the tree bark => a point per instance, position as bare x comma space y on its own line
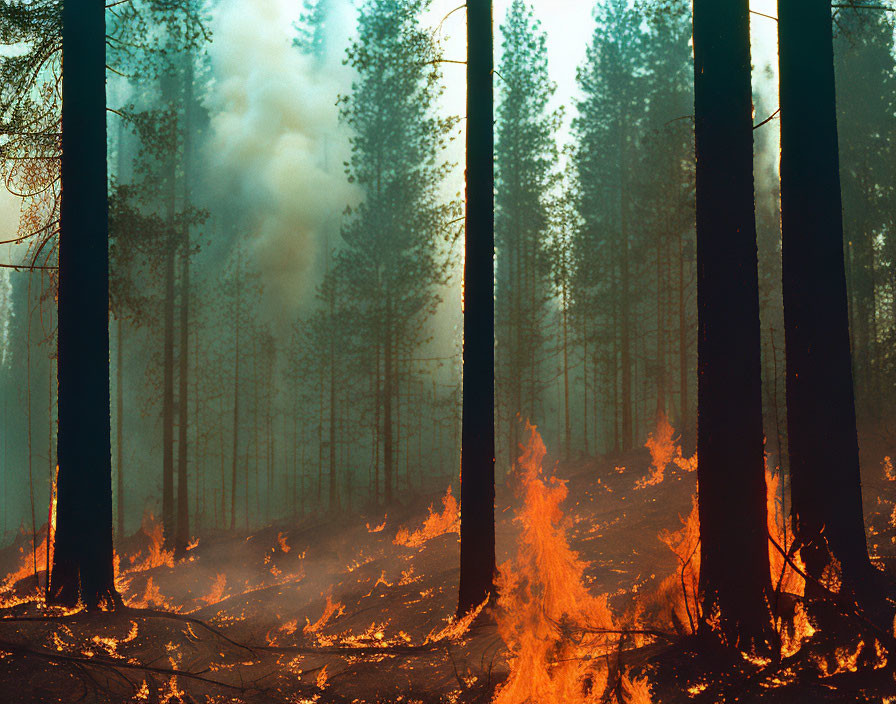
182, 536
82, 560
169, 254
388, 458
119, 429
734, 568
477, 530
821, 416
236, 402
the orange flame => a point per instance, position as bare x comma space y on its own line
542, 592
436, 524
665, 449
331, 608
217, 591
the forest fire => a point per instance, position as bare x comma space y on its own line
274, 274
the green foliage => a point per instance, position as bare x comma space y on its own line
396, 245
311, 30
866, 118
525, 162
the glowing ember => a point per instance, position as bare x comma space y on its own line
542, 593
436, 524
889, 473
170, 693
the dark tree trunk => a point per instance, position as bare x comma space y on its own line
734, 573
82, 561
477, 494
821, 416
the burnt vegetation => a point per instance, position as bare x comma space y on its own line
378, 352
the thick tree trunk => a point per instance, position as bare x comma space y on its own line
821, 417
477, 495
82, 560
734, 568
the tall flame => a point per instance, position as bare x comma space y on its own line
542, 596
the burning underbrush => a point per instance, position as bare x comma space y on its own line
597, 603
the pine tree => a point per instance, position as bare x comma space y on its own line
392, 260
866, 83
525, 154
606, 132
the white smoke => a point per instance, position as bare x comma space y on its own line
276, 148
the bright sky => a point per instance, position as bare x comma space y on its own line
569, 25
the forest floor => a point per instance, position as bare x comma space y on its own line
355, 609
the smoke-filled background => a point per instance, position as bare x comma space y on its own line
286, 177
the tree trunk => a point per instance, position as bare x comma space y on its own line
334, 492
119, 427
821, 418
734, 567
477, 495
183, 507
387, 408
660, 335
567, 435
168, 341
684, 421
182, 537
585, 428
82, 560
624, 303
236, 401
